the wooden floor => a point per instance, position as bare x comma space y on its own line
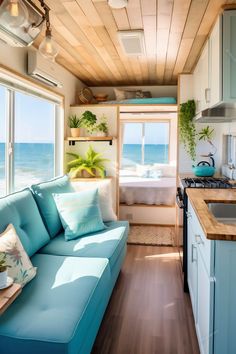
148, 312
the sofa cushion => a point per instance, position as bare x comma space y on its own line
20, 209
19, 266
104, 244
80, 213
54, 312
43, 196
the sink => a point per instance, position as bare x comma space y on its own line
223, 212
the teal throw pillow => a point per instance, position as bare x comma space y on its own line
80, 213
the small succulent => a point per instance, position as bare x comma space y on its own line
74, 121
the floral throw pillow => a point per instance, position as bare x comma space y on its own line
19, 265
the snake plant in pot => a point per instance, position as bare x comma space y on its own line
89, 166
74, 123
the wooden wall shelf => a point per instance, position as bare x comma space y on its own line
72, 141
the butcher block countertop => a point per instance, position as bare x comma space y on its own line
213, 229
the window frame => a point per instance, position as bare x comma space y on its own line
13, 84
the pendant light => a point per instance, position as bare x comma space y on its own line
48, 47
13, 12
117, 4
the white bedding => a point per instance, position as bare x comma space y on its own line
151, 191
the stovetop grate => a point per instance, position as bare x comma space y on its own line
207, 182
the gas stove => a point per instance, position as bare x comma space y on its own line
206, 182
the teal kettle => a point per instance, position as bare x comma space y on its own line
204, 168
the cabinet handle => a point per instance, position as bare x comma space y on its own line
199, 240
192, 254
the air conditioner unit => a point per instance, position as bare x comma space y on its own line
24, 35
42, 69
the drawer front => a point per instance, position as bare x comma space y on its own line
205, 246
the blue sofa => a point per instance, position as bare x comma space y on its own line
61, 309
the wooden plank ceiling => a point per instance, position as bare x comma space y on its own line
174, 30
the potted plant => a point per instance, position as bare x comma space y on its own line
3, 270
89, 166
102, 126
205, 168
187, 130
88, 121
74, 123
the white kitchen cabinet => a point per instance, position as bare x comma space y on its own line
201, 284
215, 72
192, 268
200, 79
204, 324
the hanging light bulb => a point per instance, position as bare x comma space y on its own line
14, 13
48, 47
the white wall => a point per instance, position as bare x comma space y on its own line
185, 163
16, 59
156, 91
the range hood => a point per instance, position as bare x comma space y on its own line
222, 113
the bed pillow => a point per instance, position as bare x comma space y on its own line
19, 265
79, 212
167, 170
43, 195
143, 170
105, 196
127, 94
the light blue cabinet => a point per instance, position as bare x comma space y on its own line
225, 298
229, 56
212, 286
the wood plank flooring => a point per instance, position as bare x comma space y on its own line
148, 312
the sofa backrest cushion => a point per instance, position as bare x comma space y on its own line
47, 206
20, 209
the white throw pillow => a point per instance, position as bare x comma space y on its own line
20, 266
167, 170
105, 196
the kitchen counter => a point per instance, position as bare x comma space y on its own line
213, 229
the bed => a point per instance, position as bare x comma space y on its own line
153, 100
149, 191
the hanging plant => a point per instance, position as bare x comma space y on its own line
187, 129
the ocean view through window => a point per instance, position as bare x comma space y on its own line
34, 140
144, 143
27, 139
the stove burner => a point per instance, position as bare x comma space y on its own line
207, 182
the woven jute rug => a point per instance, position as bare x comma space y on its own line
151, 235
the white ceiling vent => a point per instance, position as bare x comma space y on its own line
132, 42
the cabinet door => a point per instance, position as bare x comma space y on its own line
215, 60
192, 268
197, 88
229, 56
205, 305
225, 298
205, 100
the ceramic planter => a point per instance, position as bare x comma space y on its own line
85, 174
75, 132
3, 279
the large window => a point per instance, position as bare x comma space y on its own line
145, 143
3, 97
27, 140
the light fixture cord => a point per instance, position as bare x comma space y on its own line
46, 17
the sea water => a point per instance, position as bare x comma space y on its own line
153, 153
33, 163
